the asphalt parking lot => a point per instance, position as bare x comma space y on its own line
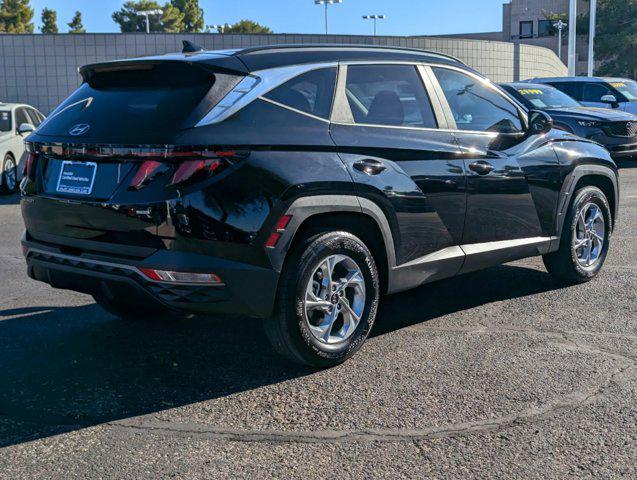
497, 374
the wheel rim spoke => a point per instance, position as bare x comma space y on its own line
589, 235
334, 299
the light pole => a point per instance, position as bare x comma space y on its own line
591, 38
572, 36
326, 3
560, 25
147, 13
375, 18
220, 28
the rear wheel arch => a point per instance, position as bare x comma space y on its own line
358, 216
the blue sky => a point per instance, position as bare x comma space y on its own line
405, 17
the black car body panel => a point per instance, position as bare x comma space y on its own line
266, 166
614, 129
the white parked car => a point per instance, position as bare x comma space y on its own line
17, 121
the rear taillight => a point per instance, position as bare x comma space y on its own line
30, 166
146, 173
191, 170
170, 276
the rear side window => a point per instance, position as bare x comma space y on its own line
475, 106
5, 121
572, 89
311, 92
391, 95
133, 101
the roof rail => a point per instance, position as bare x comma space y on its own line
263, 48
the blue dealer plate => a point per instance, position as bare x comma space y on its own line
76, 177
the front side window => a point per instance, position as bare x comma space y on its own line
475, 105
21, 117
311, 92
35, 117
388, 95
593, 92
5, 121
526, 29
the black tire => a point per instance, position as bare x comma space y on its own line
4, 188
132, 312
288, 329
564, 264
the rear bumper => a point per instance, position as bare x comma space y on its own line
248, 290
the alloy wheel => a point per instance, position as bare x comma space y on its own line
10, 178
589, 235
334, 299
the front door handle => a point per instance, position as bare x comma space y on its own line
481, 167
369, 166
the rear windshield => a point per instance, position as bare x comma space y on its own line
132, 101
5, 121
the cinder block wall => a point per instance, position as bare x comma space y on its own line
41, 70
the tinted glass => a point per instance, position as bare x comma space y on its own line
311, 92
572, 89
593, 92
544, 28
626, 88
21, 117
145, 100
391, 95
475, 105
545, 97
5, 121
526, 29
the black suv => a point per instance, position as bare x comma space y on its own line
614, 129
298, 184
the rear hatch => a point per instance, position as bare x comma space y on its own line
103, 168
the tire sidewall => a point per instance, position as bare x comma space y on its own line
5, 186
318, 249
594, 195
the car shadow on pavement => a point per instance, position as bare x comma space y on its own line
12, 199
66, 368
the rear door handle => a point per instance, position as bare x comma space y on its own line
481, 167
369, 166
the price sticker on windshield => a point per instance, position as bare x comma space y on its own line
531, 91
618, 84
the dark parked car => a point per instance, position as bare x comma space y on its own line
614, 129
300, 183
603, 92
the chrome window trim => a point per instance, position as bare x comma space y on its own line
261, 83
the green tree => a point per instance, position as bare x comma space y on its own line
49, 21
616, 40
193, 15
247, 26
75, 25
129, 19
16, 16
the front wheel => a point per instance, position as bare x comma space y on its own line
585, 238
327, 300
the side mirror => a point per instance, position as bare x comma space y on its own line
611, 99
539, 122
25, 129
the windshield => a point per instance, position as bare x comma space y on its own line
5, 121
546, 97
627, 88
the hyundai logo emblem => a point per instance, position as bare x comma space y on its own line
79, 129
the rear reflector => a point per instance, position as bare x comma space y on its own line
272, 240
182, 277
279, 228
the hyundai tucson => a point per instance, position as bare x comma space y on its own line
300, 183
